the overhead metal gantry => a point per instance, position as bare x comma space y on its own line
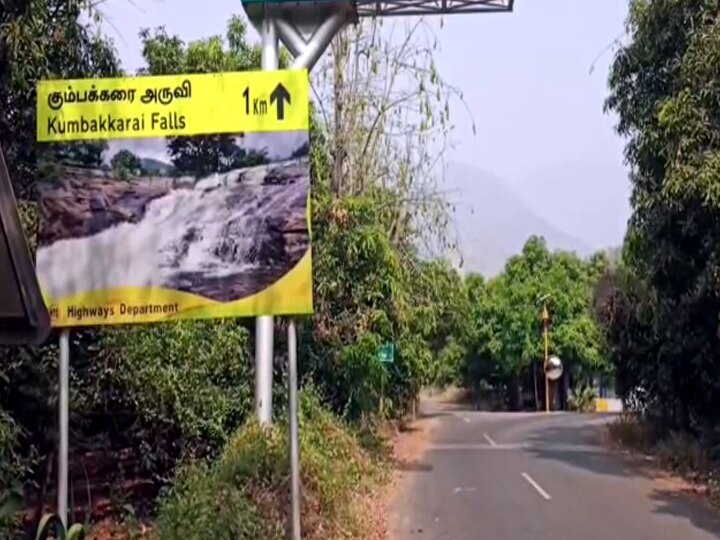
431, 7
259, 9
306, 27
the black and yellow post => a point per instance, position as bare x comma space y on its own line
546, 321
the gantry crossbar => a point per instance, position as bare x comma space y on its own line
385, 8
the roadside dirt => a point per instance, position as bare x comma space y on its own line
409, 446
703, 489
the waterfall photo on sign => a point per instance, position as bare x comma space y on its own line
154, 228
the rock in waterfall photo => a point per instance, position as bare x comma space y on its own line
219, 216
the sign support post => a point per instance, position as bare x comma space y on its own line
306, 52
63, 425
264, 324
294, 431
386, 355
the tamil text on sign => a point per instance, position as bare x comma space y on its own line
172, 105
174, 197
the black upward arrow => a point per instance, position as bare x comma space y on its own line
280, 95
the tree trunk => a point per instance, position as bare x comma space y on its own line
535, 384
514, 392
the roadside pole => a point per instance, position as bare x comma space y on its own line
294, 431
546, 317
264, 324
306, 52
63, 425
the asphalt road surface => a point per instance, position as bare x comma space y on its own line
517, 476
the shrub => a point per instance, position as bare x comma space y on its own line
11, 472
182, 388
683, 453
582, 398
629, 431
244, 495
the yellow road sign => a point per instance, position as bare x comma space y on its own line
174, 105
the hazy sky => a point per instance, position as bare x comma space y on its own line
526, 79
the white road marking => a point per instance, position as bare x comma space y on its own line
466, 419
537, 487
478, 446
588, 448
459, 489
488, 439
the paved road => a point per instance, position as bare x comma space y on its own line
517, 476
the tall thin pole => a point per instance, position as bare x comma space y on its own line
545, 364
547, 380
63, 423
264, 325
294, 432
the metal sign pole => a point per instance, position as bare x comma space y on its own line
294, 431
264, 325
63, 425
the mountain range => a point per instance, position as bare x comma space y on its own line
493, 219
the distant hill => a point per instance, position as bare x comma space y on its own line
156, 167
492, 221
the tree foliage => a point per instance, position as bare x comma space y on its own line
42, 39
386, 111
375, 205
126, 164
505, 334
660, 311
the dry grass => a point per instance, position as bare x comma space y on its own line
677, 461
676, 451
628, 432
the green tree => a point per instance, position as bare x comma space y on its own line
166, 55
126, 164
506, 339
664, 88
440, 317
42, 39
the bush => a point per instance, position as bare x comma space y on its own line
11, 471
245, 494
582, 399
682, 453
180, 389
632, 433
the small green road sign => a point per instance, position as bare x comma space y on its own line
387, 353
